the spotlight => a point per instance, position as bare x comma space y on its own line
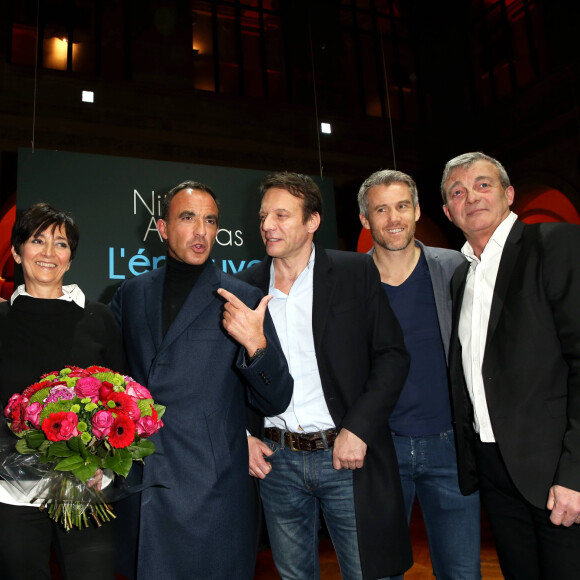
88, 97
325, 128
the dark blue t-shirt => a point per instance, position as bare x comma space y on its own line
423, 407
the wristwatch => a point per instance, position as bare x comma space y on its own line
259, 352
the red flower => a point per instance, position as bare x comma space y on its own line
125, 405
106, 391
122, 432
19, 425
13, 403
15, 410
60, 426
32, 389
76, 372
96, 369
18, 408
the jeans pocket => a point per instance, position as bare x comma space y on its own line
448, 439
273, 446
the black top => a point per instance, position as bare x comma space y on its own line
180, 278
423, 407
38, 336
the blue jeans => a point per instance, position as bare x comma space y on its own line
300, 483
428, 468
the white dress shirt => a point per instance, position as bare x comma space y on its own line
292, 316
474, 320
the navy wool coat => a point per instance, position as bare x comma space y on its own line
196, 525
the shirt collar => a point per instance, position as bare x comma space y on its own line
498, 237
309, 266
70, 293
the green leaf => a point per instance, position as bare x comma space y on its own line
45, 446
141, 449
70, 463
160, 410
120, 462
61, 449
23, 447
83, 468
87, 469
76, 444
35, 438
145, 407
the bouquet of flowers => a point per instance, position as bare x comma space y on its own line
82, 422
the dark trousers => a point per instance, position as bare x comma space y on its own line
529, 546
27, 535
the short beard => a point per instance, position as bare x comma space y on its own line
384, 245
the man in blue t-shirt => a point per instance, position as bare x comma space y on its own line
416, 279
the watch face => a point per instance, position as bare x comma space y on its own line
259, 352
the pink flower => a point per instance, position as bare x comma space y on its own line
88, 387
61, 426
137, 391
147, 426
12, 403
32, 414
60, 393
102, 422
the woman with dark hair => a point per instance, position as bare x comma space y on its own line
46, 326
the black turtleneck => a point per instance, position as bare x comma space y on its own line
180, 278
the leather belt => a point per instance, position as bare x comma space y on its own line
302, 441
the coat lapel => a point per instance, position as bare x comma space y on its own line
324, 288
200, 296
153, 305
438, 281
457, 291
261, 275
508, 260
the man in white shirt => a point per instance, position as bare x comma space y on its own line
515, 370
331, 449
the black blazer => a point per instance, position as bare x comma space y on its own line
363, 365
531, 365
